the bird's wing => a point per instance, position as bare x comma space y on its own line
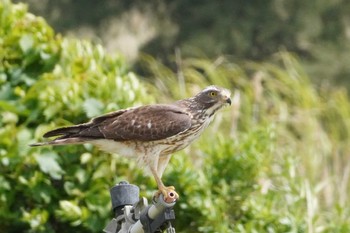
89, 129
146, 123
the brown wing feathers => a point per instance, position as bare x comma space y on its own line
147, 123
153, 122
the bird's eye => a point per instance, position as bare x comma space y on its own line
212, 93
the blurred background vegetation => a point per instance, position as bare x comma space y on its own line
318, 31
276, 161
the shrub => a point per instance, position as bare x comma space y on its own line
49, 81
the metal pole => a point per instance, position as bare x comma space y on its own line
152, 213
134, 215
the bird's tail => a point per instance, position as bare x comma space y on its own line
67, 135
64, 141
66, 131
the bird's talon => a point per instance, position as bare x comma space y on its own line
169, 194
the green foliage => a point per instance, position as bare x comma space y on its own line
47, 81
315, 30
276, 161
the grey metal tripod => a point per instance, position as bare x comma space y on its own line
134, 215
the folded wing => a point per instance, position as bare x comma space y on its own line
146, 123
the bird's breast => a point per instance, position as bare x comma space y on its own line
183, 139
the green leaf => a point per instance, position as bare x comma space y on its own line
93, 107
26, 43
48, 164
36, 218
70, 211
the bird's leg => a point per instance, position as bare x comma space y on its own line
169, 193
162, 163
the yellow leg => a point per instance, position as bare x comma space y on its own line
168, 192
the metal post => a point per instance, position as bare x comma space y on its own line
134, 215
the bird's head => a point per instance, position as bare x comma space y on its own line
213, 98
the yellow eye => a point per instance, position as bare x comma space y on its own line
212, 93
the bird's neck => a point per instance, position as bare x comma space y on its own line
197, 109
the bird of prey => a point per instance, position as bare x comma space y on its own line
149, 133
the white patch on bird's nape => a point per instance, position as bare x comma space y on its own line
149, 124
133, 122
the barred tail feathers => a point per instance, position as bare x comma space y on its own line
67, 135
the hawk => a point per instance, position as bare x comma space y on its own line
149, 133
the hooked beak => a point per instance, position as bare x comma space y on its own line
225, 97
